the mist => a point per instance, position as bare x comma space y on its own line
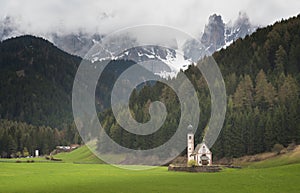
99, 16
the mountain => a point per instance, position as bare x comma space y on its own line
163, 61
213, 37
218, 35
239, 29
275, 47
168, 62
36, 81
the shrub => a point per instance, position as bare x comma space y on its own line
192, 163
277, 148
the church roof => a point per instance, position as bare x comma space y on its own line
199, 148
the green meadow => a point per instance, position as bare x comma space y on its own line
88, 177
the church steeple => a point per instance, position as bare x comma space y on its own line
190, 142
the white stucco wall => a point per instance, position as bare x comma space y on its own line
190, 146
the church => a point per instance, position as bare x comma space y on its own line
201, 154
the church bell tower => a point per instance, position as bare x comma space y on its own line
190, 143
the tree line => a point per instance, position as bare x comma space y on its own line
19, 139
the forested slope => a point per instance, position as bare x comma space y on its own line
261, 74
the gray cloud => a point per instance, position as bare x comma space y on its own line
36, 16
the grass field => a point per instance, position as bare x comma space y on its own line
68, 177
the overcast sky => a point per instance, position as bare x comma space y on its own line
42, 16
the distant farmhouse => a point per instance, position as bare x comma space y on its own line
201, 154
65, 148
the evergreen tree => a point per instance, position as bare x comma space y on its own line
280, 61
243, 96
265, 93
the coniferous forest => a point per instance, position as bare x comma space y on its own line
261, 74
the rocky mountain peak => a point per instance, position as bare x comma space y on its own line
218, 35
213, 36
240, 28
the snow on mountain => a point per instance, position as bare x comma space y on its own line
164, 62
239, 29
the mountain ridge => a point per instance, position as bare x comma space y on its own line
167, 67
31, 74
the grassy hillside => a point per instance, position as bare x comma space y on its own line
284, 159
80, 155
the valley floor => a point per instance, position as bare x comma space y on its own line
93, 178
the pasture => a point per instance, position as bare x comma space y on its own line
69, 177
278, 175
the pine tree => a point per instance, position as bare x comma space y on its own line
264, 92
243, 96
281, 60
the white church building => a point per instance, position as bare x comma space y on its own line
201, 154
